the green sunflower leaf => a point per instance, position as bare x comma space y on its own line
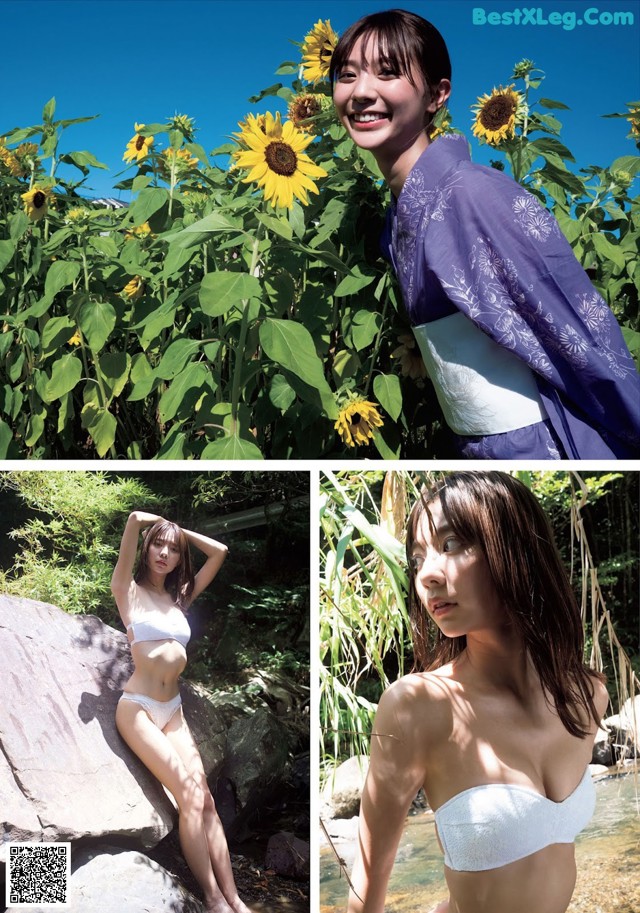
221, 290
149, 201
386, 388
176, 357
291, 345
231, 448
96, 319
65, 374
550, 103
101, 425
48, 111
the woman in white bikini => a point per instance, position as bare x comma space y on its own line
152, 604
499, 728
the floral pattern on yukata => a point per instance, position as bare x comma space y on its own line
416, 207
533, 219
490, 290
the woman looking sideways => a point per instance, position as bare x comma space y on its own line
152, 602
499, 724
526, 358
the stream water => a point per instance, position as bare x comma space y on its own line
607, 855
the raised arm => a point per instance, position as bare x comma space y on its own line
123, 571
216, 553
396, 773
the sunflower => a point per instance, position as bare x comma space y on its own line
36, 202
138, 146
440, 124
634, 119
134, 288
309, 106
8, 159
180, 159
496, 115
186, 125
277, 161
411, 363
356, 421
317, 51
139, 231
26, 155
76, 339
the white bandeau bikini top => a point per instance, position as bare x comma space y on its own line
161, 626
486, 827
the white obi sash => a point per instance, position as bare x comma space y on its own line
482, 387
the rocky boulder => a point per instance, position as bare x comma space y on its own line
342, 793
111, 880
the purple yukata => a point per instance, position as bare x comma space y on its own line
526, 358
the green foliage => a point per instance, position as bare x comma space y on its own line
200, 322
70, 545
364, 622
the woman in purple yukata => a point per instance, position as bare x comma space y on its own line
526, 358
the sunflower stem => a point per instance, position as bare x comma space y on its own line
242, 341
376, 348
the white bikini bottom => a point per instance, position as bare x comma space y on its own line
482, 387
160, 712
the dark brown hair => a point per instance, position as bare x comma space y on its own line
403, 38
499, 515
179, 583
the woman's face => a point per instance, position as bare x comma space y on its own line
452, 579
164, 552
381, 109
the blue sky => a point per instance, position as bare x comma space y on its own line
144, 60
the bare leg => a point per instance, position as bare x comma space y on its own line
158, 754
180, 736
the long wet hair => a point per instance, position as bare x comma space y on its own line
500, 516
403, 38
179, 583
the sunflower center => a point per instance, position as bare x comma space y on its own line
39, 199
281, 158
139, 143
497, 112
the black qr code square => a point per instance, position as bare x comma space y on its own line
38, 874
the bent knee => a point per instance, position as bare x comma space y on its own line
192, 796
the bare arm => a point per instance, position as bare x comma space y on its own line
396, 773
123, 571
216, 553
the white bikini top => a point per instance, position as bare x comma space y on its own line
160, 626
481, 386
486, 827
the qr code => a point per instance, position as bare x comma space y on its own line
38, 874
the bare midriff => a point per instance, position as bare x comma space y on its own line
158, 666
540, 883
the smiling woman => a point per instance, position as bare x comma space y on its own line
501, 310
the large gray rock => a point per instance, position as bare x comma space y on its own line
256, 764
65, 773
343, 791
110, 880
